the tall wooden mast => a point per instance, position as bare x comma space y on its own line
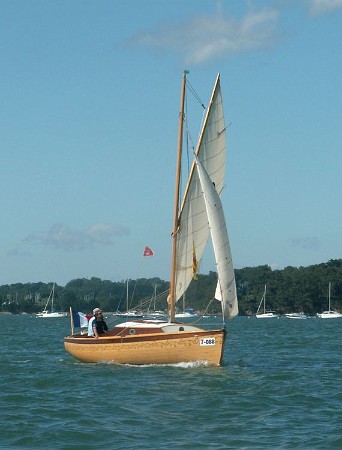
172, 297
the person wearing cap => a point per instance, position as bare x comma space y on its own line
99, 325
90, 323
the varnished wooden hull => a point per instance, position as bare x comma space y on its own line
154, 348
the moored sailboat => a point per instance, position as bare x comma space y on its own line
51, 313
187, 313
296, 316
262, 313
169, 342
129, 313
154, 314
329, 314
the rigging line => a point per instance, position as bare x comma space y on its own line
132, 296
197, 97
161, 295
194, 93
188, 134
206, 310
189, 141
144, 302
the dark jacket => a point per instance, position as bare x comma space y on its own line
101, 326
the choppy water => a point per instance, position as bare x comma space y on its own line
279, 388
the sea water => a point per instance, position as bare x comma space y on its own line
279, 388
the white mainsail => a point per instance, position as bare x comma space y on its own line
226, 287
193, 229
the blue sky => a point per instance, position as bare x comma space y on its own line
88, 131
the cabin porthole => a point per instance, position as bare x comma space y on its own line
132, 331
181, 328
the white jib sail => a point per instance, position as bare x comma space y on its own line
226, 287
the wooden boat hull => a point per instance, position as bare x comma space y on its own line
154, 348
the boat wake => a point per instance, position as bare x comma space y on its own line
183, 365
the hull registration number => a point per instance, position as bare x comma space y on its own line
207, 341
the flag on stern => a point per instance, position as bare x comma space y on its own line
80, 319
148, 252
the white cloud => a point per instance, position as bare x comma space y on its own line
318, 7
102, 233
310, 242
205, 38
17, 252
62, 237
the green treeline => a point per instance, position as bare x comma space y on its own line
289, 290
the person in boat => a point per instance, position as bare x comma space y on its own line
99, 325
90, 323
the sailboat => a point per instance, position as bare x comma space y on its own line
154, 313
51, 313
187, 313
129, 314
198, 216
330, 314
261, 312
296, 315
